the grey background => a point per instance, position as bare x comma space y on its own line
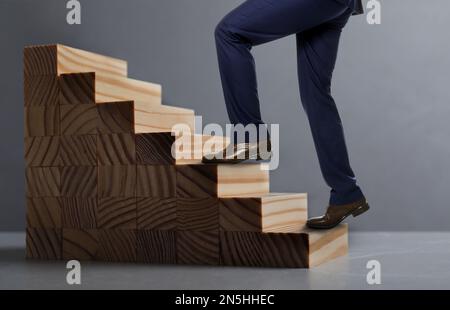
391, 85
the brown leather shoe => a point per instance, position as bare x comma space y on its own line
237, 153
337, 213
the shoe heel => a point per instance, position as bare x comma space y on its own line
361, 210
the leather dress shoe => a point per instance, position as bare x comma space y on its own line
237, 153
337, 213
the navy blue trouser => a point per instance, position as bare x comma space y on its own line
317, 25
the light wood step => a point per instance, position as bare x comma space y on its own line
304, 249
150, 118
123, 89
58, 59
274, 212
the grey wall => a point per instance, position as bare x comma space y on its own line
391, 85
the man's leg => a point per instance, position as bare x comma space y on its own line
253, 23
317, 51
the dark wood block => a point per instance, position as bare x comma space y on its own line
264, 249
77, 88
43, 213
79, 181
154, 149
41, 90
116, 149
116, 181
156, 247
116, 117
78, 150
40, 60
198, 214
43, 182
79, 212
117, 245
44, 243
41, 121
157, 213
117, 213
80, 244
42, 151
79, 119
197, 181
198, 248
156, 181
241, 214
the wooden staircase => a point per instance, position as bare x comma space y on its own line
102, 183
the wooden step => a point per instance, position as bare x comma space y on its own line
267, 213
89, 87
58, 59
123, 89
150, 118
304, 249
198, 181
156, 148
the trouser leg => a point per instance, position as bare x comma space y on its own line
256, 22
317, 50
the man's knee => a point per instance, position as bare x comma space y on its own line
227, 29
222, 30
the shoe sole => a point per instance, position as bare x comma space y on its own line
355, 213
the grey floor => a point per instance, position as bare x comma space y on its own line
408, 261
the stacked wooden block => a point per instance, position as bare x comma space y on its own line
103, 184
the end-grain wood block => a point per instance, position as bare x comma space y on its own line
80, 244
160, 118
81, 119
41, 90
156, 213
59, 59
115, 213
40, 60
116, 149
116, 117
198, 214
156, 148
116, 181
79, 212
43, 182
44, 244
42, 151
221, 180
79, 181
198, 247
41, 121
78, 150
327, 245
117, 245
255, 249
156, 247
267, 213
156, 181
77, 88
44, 213
197, 181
